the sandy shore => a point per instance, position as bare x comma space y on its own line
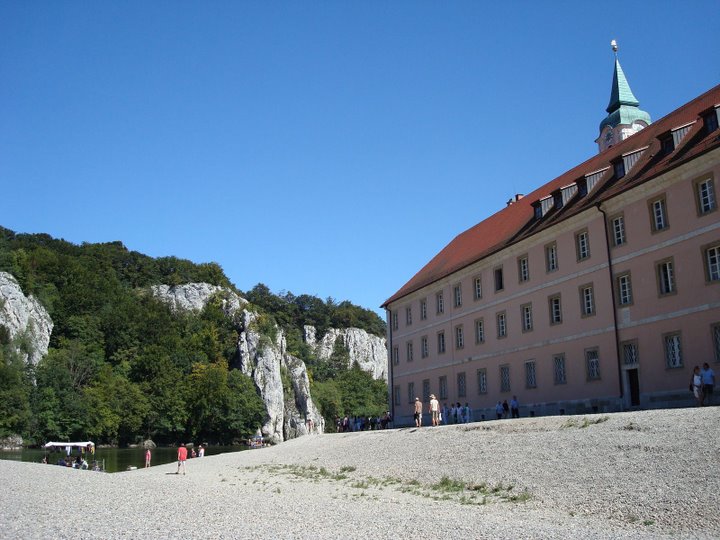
651, 474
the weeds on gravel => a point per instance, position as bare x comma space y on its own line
631, 426
586, 422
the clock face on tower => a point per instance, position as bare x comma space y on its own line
609, 136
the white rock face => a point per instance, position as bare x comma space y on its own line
24, 314
195, 296
369, 351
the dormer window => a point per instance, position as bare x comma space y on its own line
538, 211
631, 158
711, 121
667, 145
568, 192
619, 169
592, 179
678, 134
558, 200
546, 204
582, 187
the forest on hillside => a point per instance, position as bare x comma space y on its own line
122, 366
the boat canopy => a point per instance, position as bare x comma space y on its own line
66, 444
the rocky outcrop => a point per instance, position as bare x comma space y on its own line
24, 316
195, 296
369, 351
12, 442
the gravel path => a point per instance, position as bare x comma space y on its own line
650, 474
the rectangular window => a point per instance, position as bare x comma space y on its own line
587, 300
439, 303
441, 342
673, 350
711, 122
658, 215
501, 325
396, 356
443, 387
426, 390
504, 378
665, 277
394, 320
424, 349
667, 145
461, 387
712, 263
582, 245
619, 169
555, 309
408, 316
478, 288
523, 269
617, 225
423, 309
459, 338
499, 283
409, 351
396, 395
624, 289
411, 392
706, 200
457, 296
630, 353
559, 373
527, 318
482, 381
592, 364
715, 330
551, 257
479, 331
530, 378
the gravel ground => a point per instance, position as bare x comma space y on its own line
650, 474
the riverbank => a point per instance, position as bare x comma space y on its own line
650, 474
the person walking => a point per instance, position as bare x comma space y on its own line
466, 412
506, 408
434, 410
418, 412
499, 410
708, 383
696, 385
148, 457
514, 407
182, 458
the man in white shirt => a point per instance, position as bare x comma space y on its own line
434, 410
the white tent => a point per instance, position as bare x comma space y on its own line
71, 444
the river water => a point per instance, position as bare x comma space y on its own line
115, 459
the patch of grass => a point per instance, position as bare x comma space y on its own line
447, 484
585, 422
348, 469
649, 522
631, 426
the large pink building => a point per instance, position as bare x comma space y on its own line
599, 291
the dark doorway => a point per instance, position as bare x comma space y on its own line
634, 384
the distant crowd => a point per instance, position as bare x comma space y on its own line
363, 423
460, 414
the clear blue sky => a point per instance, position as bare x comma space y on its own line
327, 148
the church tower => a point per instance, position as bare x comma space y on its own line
624, 116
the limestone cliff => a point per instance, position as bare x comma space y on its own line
24, 316
369, 351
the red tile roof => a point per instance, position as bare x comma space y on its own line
516, 221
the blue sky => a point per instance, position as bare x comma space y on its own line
327, 148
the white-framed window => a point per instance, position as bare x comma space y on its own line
459, 337
505, 378
555, 309
624, 287
394, 320
592, 364
523, 269
408, 316
426, 390
658, 214
630, 353
477, 287
618, 230
479, 331
482, 381
706, 200
439, 303
396, 395
665, 277
527, 318
501, 324
587, 300
410, 351
423, 309
673, 350
715, 331
457, 296
499, 281
712, 263
411, 392
424, 349
582, 244
396, 355
461, 386
559, 373
441, 342
442, 387
530, 376
551, 257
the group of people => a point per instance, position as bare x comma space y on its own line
363, 423
455, 414
702, 384
504, 409
182, 455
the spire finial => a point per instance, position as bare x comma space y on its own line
614, 46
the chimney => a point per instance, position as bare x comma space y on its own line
515, 199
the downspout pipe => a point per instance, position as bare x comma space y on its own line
391, 386
614, 300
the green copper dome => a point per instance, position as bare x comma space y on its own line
623, 107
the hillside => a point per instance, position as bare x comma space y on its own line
122, 364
